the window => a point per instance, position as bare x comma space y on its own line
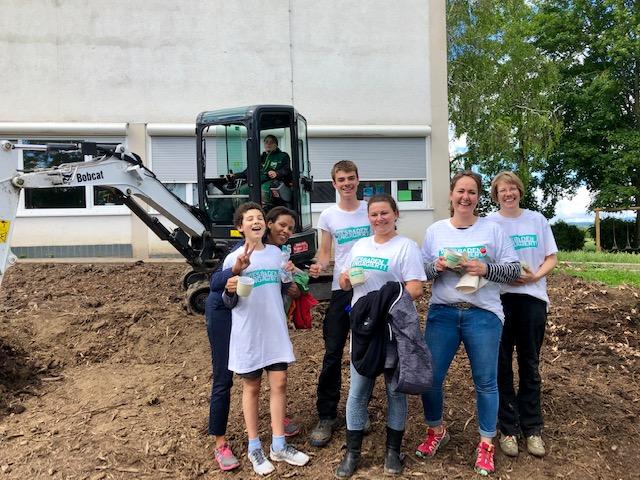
105, 197
367, 189
409, 191
179, 190
62, 197
323, 192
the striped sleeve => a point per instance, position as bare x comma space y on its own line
503, 272
430, 270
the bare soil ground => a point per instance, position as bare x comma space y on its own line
103, 375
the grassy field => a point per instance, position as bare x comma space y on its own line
602, 257
598, 267
606, 275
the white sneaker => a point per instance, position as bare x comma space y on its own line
261, 465
290, 455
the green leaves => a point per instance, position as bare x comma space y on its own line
550, 89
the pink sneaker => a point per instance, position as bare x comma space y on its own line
225, 458
432, 443
291, 428
484, 459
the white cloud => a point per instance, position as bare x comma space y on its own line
574, 209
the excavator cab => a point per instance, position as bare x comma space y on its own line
257, 153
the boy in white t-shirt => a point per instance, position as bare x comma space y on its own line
341, 226
259, 336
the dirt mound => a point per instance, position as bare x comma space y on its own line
103, 374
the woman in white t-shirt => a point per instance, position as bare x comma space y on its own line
456, 315
525, 304
383, 257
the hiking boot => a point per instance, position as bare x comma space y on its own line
261, 465
432, 443
509, 445
321, 433
225, 458
291, 427
535, 446
392, 457
290, 455
351, 459
484, 459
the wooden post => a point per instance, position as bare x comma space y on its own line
597, 225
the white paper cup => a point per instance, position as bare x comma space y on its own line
452, 258
244, 287
356, 276
468, 283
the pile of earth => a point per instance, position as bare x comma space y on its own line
103, 374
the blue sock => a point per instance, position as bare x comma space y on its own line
278, 443
254, 444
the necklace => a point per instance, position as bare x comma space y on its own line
462, 225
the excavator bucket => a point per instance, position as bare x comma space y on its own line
9, 196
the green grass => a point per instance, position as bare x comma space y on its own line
608, 276
604, 257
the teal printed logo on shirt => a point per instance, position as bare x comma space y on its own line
262, 277
371, 263
346, 235
524, 241
479, 251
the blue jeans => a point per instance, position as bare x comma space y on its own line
360, 390
480, 331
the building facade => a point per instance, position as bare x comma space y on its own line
370, 78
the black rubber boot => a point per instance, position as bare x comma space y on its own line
351, 458
392, 457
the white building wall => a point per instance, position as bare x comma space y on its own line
160, 61
165, 61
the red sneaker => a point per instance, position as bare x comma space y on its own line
432, 443
225, 458
291, 428
484, 459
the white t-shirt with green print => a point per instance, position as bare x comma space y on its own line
398, 259
486, 241
345, 228
533, 241
259, 333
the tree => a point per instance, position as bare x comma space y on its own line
501, 95
595, 45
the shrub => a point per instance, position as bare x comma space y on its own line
568, 237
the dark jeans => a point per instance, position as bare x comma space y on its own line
219, 332
335, 330
525, 320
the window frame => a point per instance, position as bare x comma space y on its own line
408, 206
91, 209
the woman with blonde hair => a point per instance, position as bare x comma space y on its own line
525, 304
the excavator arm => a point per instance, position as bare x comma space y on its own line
118, 170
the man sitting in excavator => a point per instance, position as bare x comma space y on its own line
275, 166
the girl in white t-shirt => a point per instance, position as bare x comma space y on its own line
259, 336
525, 306
474, 318
383, 257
